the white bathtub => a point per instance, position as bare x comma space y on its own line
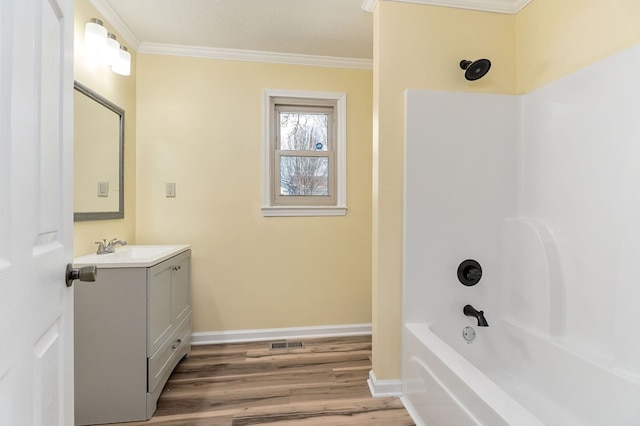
520, 379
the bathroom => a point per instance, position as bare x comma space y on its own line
367, 244
351, 276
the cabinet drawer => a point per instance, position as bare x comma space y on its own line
167, 356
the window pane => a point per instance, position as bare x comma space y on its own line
304, 175
303, 131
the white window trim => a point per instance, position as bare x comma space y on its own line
340, 209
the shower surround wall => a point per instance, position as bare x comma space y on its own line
581, 176
544, 191
460, 183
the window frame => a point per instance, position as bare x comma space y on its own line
274, 204
279, 104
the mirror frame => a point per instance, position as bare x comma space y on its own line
119, 214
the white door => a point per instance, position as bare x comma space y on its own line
36, 218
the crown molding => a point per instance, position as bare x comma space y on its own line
369, 5
254, 56
499, 6
118, 24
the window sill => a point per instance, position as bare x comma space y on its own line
291, 211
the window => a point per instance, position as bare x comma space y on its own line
304, 153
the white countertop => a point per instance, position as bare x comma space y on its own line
141, 256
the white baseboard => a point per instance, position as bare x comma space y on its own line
383, 388
239, 336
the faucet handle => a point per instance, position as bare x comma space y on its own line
101, 246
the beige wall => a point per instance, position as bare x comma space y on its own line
199, 125
420, 46
555, 38
120, 90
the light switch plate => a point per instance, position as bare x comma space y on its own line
171, 189
103, 189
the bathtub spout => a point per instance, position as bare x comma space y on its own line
470, 311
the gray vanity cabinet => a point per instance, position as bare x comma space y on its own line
132, 327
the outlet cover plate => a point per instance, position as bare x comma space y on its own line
171, 189
103, 189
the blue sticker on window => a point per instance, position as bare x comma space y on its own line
319, 146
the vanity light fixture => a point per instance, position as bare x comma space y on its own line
104, 46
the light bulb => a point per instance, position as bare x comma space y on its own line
111, 50
122, 64
95, 35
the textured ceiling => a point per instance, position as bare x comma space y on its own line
336, 28
320, 28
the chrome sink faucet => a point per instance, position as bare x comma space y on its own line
104, 247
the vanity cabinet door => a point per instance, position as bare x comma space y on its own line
181, 303
169, 298
160, 318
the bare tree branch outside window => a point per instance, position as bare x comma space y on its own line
302, 174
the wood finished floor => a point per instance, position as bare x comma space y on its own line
323, 383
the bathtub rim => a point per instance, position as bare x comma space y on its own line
503, 404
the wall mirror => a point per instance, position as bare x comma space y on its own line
98, 148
